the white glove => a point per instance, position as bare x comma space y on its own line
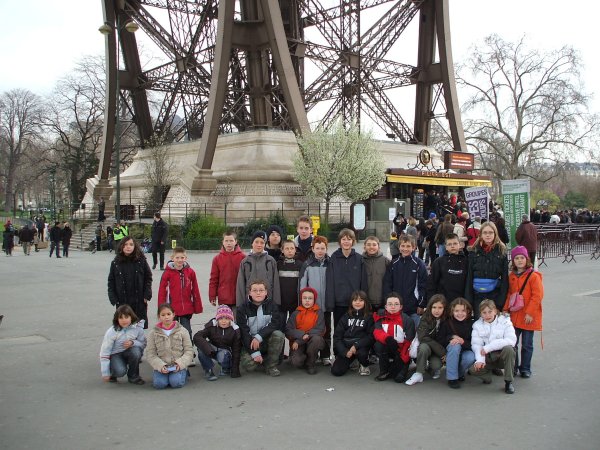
398, 334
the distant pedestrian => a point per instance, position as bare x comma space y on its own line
8, 238
55, 239
527, 236
26, 238
101, 209
66, 239
160, 232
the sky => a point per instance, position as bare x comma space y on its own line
41, 40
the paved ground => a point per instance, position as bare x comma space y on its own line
52, 396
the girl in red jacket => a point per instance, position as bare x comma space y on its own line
224, 272
184, 295
393, 334
528, 319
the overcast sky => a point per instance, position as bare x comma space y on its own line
42, 39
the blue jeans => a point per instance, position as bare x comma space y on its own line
223, 358
526, 338
416, 319
127, 362
174, 379
458, 361
441, 250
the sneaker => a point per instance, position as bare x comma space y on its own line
416, 378
210, 375
508, 387
525, 374
364, 371
383, 376
454, 384
355, 365
273, 372
137, 381
328, 361
436, 374
373, 359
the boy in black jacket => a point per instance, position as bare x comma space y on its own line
288, 268
449, 272
259, 320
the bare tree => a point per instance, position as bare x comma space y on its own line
527, 110
20, 127
160, 172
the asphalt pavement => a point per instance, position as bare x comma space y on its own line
52, 395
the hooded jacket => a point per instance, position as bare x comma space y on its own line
314, 274
344, 276
130, 283
452, 327
532, 298
257, 321
229, 338
353, 329
183, 292
257, 266
289, 280
113, 343
301, 315
384, 328
163, 350
492, 265
448, 276
492, 336
223, 275
408, 277
375, 267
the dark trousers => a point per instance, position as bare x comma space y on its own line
66, 249
55, 245
306, 353
186, 322
390, 363
341, 365
157, 247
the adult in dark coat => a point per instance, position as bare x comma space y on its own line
66, 239
26, 238
130, 279
55, 239
527, 236
160, 231
101, 209
8, 238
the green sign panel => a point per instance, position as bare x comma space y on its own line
515, 198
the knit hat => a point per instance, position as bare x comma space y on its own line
277, 229
308, 289
259, 234
432, 215
519, 250
224, 312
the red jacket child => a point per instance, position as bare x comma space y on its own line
386, 326
223, 276
184, 294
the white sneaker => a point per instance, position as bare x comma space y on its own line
328, 361
364, 371
435, 375
416, 378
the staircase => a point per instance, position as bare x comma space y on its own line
81, 240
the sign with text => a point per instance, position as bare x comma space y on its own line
478, 200
459, 160
515, 199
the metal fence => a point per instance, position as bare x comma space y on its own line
567, 241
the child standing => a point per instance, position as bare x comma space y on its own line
353, 336
179, 279
455, 336
524, 281
449, 272
314, 274
304, 239
375, 265
493, 340
224, 272
429, 348
275, 241
220, 340
260, 324
288, 268
122, 347
169, 350
305, 331
394, 331
258, 265
408, 277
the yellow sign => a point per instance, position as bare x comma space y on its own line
316, 224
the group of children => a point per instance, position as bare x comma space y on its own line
379, 311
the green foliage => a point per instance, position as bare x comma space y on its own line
203, 227
574, 200
275, 218
544, 194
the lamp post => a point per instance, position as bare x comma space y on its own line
53, 191
107, 29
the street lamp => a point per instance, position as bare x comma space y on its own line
107, 29
53, 191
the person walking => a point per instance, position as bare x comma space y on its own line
66, 239
160, 231
55, 239
26, 238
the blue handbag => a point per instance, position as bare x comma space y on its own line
485, 285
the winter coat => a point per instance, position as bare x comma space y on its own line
492, 265
527, 236
492, 336
385, 324
163, 350
375, 267
408, 277
130, 283
113, 343
255, 325
353, 330
532, 298
66, 235
448, 276
229, 338
461, 232
160, 231
443, 230
452, 327
257, 266
473, 232
289, 279
26, 234
294, 333
223, 275
428, 331
303, 255
56, 234
344, 276
183, 291
314, 274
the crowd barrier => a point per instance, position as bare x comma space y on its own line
567, 241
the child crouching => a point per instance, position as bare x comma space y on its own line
305, 330
122, 347
221, 341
